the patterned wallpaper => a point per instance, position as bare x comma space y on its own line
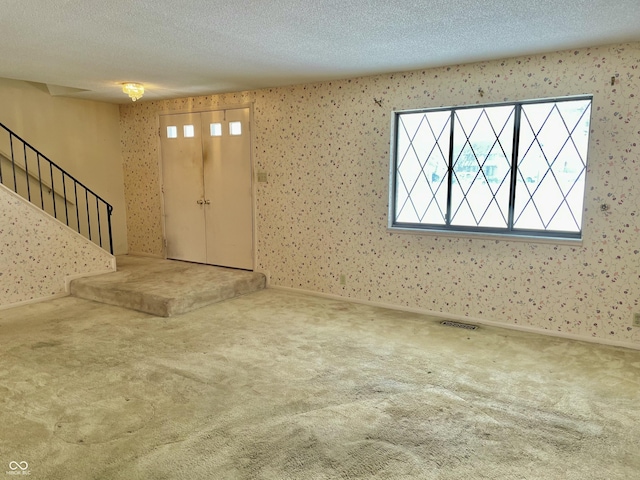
323, 212
37, 252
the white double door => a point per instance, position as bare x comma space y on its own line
207, 187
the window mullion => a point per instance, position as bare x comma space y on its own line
450, 170
514, 166
395, 172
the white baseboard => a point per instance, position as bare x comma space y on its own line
144, 254
34, 300
65, 293
462, 318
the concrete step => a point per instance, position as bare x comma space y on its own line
166, 287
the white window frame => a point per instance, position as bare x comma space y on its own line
457, 230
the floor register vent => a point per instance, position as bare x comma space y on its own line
466, 326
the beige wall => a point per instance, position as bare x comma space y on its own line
323, 213
81, 136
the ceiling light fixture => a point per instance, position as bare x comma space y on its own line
134, 90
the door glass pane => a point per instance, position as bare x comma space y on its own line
172, 131
235, 128
188, 131
215, 129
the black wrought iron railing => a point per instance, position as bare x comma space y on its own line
36, 178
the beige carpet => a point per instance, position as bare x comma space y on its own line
274, 385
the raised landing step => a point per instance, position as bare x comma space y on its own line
165, 287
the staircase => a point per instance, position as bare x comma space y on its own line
36, 178
158, 287
165, 288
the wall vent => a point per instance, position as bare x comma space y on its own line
466, 326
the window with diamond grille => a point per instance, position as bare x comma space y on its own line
516, 168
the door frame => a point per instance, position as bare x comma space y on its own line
254, 187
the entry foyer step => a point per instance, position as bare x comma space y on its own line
165, 287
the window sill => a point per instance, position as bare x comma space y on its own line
575, 242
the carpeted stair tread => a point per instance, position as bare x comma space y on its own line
166, 287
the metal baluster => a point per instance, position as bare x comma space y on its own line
86, 199
1, 171
26, 170
13, 164
64, 192
99, 226
75, 190
109, 212
40, 181
53, 191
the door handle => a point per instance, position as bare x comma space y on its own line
207, 202
200, 202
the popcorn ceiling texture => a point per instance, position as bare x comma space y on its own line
323, 212
37, 253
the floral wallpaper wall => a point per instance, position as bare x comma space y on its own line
323, 211
37, 253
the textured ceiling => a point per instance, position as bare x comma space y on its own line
85, 48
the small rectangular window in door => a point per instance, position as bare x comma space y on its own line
215, 129
188, 131
235, 128
172, 131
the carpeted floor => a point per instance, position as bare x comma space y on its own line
275, 385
